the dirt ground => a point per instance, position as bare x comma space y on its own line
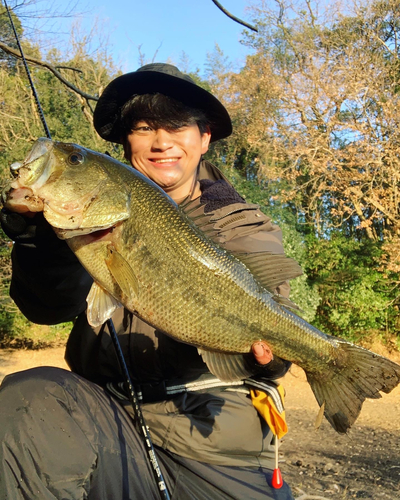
363, 464
317, 464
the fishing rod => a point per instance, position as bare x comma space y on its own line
141, 424
41, 114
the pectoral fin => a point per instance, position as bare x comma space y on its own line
122, 272
101, 305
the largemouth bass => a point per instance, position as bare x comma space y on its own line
147, 253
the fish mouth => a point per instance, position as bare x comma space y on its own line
35, 167
40, 148
29, 175
22, 200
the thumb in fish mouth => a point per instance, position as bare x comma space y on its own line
262, 352
22, 200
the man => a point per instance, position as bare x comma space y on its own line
71, 434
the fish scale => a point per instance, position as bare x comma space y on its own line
145, 252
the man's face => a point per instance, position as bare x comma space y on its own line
169, 158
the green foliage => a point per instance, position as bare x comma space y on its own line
7, 308
15, 329
63, 111
304, 119
302, 292
356, 297
18, 332
69, 119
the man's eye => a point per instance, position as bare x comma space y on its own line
142, 128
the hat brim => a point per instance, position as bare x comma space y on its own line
120, 90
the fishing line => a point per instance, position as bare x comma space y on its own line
141, 424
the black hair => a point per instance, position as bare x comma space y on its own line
159, 111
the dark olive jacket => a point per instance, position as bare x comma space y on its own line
218, 426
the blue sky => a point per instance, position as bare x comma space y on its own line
167, 27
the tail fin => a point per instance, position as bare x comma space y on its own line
364, 375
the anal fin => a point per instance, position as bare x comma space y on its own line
226, 367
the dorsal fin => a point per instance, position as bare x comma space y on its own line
270, 270
283, 301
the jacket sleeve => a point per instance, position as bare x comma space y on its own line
48, 283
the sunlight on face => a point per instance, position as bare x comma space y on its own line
169, 158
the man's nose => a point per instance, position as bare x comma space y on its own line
162, 140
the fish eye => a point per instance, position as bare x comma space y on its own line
75, 158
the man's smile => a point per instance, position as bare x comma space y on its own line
164, 160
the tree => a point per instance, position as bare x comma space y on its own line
68, 109
68, 113
316, 117
7, 36
323, 113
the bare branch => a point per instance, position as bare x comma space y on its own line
142, 57
391, 52
51, 68
376, 204
68, 67
234, 18
156, 52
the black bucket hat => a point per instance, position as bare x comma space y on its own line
164, 79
